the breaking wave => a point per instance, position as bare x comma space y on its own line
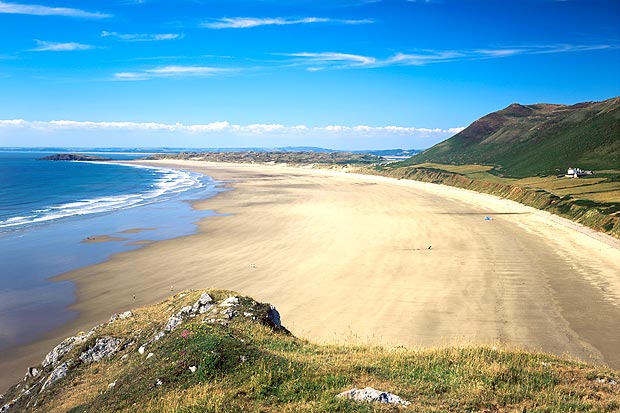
168, 183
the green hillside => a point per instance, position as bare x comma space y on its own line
541, 139
216, 351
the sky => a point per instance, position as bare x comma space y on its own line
341, 74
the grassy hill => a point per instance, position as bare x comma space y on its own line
541, 139
216, 351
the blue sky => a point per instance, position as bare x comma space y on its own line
344, 74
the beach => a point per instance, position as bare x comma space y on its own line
364, 259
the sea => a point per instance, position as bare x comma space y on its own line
50, 213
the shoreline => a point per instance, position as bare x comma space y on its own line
304, 239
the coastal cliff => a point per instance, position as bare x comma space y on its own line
218, 351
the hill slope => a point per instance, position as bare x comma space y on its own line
215, 351
536, 139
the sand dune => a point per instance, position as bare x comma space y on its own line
348, 257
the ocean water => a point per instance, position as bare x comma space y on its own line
49, 208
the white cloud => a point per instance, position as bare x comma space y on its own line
499, 52
13, 122
226, 127
318, 61
334, 60
172, 71
331, 57
37, 10
423, 58
43, 46
249, 22
142, 37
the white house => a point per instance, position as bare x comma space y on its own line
576, 173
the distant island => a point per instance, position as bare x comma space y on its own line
74, 157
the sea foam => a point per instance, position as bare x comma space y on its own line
168, 183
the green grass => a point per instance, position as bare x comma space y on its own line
546, 142
246, 366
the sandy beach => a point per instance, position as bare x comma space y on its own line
350, 258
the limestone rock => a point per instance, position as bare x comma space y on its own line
178, 318
230, 301
58, 373
104, 347
203, 304
8, 405
121, 316
373, 396
63, 348
31, 372
159, 335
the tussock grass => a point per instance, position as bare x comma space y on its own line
246, 366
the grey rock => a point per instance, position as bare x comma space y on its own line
63, 348
58, 373
200, 307
104, 347
373, 396
178, 318
31, 372
230, 301
121, 316
203, 304
173, 322
8, 405
159, 335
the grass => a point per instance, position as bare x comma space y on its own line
459, 169
545, 141
246, 366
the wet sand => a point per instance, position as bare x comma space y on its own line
346, 258
94, 239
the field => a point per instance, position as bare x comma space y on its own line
602, 187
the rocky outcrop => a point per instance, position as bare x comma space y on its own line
121, 316
221, 313
106, 340
373, 396
63, 348
104, 347
203, 304
58, 373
